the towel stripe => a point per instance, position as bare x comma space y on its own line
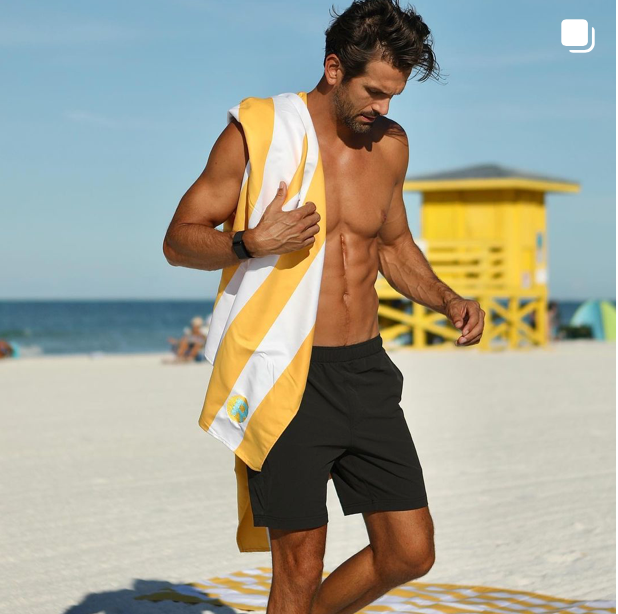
224, 292
261, 269
264, 368
261, 435
233, 294
257, 117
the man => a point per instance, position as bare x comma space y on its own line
8, 349
353, 389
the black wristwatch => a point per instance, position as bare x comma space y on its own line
240, 249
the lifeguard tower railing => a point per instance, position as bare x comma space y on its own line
515, 317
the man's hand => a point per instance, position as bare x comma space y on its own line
280, 232
466, 315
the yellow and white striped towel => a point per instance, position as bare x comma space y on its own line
263, 321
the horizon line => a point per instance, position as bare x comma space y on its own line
210, 299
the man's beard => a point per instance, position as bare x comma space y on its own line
344, 111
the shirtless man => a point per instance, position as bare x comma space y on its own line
353, 388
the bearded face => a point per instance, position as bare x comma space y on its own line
358, 101
348, 115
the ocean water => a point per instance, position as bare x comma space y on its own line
78, 327
117, 327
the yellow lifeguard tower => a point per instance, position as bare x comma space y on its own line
483, 230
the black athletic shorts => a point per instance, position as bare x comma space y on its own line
349, 424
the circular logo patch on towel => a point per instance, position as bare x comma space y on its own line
237, 408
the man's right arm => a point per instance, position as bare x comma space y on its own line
192, 239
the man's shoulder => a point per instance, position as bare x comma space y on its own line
388, 130
391, 139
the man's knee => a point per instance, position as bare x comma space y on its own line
299, 577
402, 545
300, 567
405, 565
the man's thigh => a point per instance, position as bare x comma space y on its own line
380, 470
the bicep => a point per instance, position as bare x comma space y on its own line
395, 229
213, 197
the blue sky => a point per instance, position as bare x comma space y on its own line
109, 110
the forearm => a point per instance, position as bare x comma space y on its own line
197, 246
408, 271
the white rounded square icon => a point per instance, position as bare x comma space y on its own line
574, 32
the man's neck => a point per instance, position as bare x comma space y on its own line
322, 111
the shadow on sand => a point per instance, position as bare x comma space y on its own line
133, 601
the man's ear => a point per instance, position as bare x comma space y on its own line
333, 71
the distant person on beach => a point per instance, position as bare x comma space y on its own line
553, 320
350, 423
191, 345
8, 349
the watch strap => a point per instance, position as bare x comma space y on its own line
240, 249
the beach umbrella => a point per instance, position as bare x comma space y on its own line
600, 316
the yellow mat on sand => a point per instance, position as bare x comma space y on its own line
247, 591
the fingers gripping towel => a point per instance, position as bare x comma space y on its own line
263, 321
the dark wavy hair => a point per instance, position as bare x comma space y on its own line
380, 29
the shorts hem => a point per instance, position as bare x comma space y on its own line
385, 505
299, 522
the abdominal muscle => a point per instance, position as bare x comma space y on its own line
348, 302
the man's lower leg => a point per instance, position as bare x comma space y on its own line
359, 581
354, 581
293, 593
298, 564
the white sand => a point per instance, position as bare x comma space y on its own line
110, 488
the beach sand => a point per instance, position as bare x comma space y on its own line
111, 489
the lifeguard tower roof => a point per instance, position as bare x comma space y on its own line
486, 177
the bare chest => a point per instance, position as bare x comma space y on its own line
359, 188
